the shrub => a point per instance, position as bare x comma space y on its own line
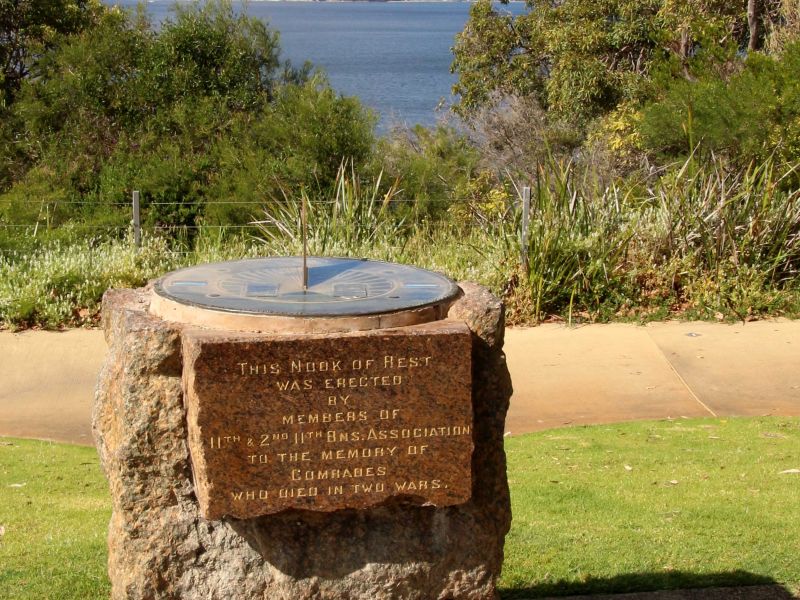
194, 115
435, 167
750, 117
61, 283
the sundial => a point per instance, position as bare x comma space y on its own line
303, 294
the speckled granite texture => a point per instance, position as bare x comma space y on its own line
160, 545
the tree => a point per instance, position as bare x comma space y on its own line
28, 28
581, 58
198, 110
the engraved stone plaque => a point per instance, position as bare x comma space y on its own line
329, 422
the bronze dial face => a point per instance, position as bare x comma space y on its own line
336, 287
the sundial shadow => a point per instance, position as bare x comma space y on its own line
320, 274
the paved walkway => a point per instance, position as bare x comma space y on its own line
620, 372
562, 376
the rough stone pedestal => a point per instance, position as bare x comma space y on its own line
161, 547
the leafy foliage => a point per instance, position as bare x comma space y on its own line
197, 112
753, 115
704, 240
434, 167
572, 98
29, 28
581, 58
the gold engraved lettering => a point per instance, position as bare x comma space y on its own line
406, 362
298, 492
347, 473
363, 382
369, 488
302, 437
313, 418
418, 485
334, 436
246, 368
417, 432
358, 453
363, 365
321, 366
250, 495
221, 441
266, 438
385, 419
293, 456
335, 400
294, 385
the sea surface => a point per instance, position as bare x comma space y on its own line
395, 56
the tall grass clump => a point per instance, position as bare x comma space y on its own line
367, 219
735, 234
575, 248
350, 218
704, 240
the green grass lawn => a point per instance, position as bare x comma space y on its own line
637, 506
654, 505
54, 512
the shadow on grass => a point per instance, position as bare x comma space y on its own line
702, 587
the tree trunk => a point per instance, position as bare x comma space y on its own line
754, 22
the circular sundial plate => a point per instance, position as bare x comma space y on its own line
337, 287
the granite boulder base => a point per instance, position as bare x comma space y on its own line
315, 466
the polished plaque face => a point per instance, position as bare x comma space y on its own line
336, 287
329, 422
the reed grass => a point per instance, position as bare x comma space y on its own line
701, 241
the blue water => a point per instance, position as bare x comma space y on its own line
395, 56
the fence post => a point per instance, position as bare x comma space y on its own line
137, 221
526, 221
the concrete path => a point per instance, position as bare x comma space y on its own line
561, 376
47, 383
619, 372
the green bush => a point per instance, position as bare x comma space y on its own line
750, 117
581, 58
195, 115
434, 166
62, 283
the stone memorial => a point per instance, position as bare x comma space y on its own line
304, 428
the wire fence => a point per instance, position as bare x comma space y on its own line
136, 206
